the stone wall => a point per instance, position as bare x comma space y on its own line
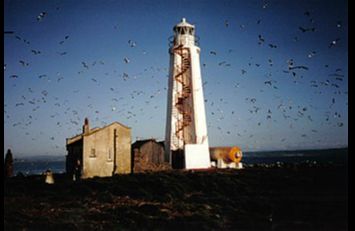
100, 149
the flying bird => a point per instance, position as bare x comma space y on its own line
298, 67
261, 39
339, 24
226, 23
35, 52
131, 43
311, 54
307, 29
41, 16
23, 63
85, 65
333, 43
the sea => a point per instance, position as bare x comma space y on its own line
37, 165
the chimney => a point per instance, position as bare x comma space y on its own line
86, 128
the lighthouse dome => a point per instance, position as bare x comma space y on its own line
183, 23
184, 28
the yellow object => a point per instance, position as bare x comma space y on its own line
227, 154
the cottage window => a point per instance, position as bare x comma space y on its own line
109, 157
93, 153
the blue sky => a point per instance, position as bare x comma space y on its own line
253, 99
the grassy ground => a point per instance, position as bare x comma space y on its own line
307, 198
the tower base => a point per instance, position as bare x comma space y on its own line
178, 159
197, 156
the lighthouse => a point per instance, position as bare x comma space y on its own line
186, 140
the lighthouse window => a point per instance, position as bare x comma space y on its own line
183, 30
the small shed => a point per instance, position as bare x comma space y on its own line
148, 155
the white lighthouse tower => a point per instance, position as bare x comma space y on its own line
186, 141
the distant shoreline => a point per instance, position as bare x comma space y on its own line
247, 153
39, 164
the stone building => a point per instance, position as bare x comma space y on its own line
99, 151
148, 155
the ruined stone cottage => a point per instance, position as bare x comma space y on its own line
148, 155
99, 151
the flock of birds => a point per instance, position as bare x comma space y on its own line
126, 106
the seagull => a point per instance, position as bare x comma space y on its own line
226, 23
126, 60
261, 39
298, 67
35, 52
41, 16
125, 76
85, 65
310, 55
213, 53
270, 62
333, 43
307, 29
23, 63
131, 43
339, 24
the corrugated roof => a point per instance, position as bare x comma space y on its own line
140, 143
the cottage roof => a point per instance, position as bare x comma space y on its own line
92, 131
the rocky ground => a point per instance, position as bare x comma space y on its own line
258, 198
